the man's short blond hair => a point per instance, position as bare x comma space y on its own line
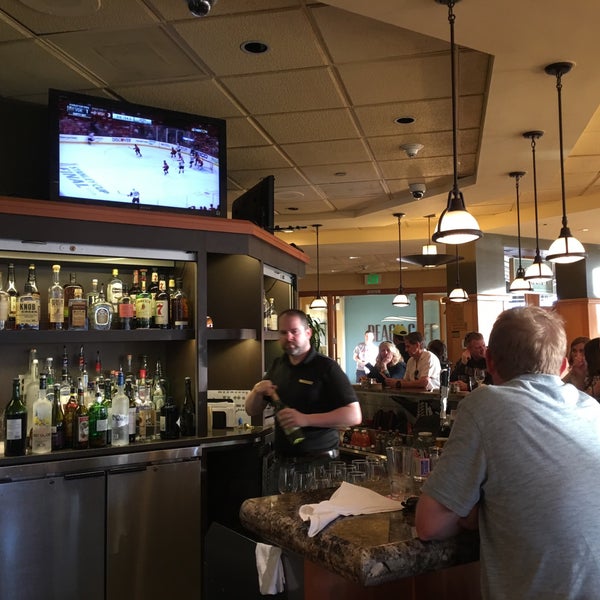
527, 340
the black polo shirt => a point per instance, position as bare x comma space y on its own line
316, 385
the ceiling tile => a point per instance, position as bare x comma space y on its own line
285, 177
325, 153
261, 157
320, 174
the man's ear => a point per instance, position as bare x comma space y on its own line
491, 368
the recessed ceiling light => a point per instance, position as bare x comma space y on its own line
353, 257
288, 195
254, 47
404, 120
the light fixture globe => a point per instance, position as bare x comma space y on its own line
458, 294
429, 257
456, 225
519, 283
318, 304
400, 300
538, 271
565, 249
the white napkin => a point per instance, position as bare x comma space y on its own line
348, 499
271, 579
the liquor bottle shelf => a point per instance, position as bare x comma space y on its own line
230, 334
112, 335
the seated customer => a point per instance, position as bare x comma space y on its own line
577, 374
423, 367
592, 358
473, 357
520, 462
389, 363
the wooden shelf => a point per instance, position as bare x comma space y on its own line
230, 334
112, 335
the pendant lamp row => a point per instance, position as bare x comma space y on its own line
401, 299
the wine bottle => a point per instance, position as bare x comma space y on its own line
58, 425
15, 423
273, 324
188, 411
56, 301
180, 316
98, 418
294, 434
41, 431
169, 415
120, 414
126, 312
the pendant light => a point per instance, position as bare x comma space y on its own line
318, 303
456, 224
400, 299
538, 271
429, 257
566, 248
458, 294
519, 284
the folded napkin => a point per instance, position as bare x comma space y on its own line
347, 500
271, 579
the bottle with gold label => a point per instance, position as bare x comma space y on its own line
78, 312
143, 304
28, 303
56, 301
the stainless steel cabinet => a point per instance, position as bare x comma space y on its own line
153, 535
52, 536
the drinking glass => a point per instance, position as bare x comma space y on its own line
302, 481
400, 468
479, 375
285, 478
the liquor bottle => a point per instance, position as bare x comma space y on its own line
295, 435
65, 389
101, 313
58, 425
129, 368
98, 365
49, 372
72, 289
152, 288
81, 421
188, 411
32, 391
92, 296
146, 426
273, 325
161, 305
41, 431
171, 285
15, 423
56, 301
143, 304
120, 414
28, 303
266, 312
180, 316
107, 390
4, 306
158, 391
129, 392
126, 312
134, 290
69, 418
98, 419
169, 415
81, 361
13, 295
114, 290
77, 312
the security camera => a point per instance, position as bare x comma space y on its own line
200, 8
417, 190
412, 149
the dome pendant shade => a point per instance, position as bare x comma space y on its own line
456, 224
538, 271
318, 303
458, 295
401, 299
519, 283
429, 257
566, 249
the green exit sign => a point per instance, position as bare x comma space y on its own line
373, 279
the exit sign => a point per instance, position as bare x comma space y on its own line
373, 279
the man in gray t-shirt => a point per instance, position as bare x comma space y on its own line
521, 462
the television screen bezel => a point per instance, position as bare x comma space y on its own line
257, 204
171, 116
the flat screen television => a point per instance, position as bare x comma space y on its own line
257, 204
116, 153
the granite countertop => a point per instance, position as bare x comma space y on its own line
367, 549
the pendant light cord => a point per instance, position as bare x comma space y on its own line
400, 215
517, 180
535, 203
451, 19
318, 263
560, 138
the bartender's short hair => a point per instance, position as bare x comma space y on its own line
294, 312
527, 340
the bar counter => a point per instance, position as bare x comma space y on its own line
367, 550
